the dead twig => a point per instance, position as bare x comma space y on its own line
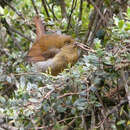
67, 94
84, 47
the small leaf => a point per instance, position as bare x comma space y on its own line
120, 122
128, 12
121, 24
34, 100
128, 122
2, 99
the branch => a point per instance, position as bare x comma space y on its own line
51, 10
45, 7
21, 34
99, 12
74, 2
127, 88
63, 8
112, 111
35, 8
80, 10
18, 13
10, 30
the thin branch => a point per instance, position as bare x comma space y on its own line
127, 88
84, 47
97, 26
63, 8
80, 10
116, 108
89, 27
99, 12
67, 94
51, 10
35, 8
8, 127
77, 28
16, 43
69, 118
45, 7
74, 2
21, 34
94, 24
18, 13
10, 30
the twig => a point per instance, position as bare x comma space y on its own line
16, 43
92, 120
77, 28
5, 51
68, 119
45, 7
35, 8
95, 31
67, 94
92, 24
63, 8
116, 108
96, 24
69, 125
70, 94
89, 28
80, 10
127, 88
48, 94
18, 13
84, 47
51, 10
74, 2
8, 127
10, 30
21, 34
99, 12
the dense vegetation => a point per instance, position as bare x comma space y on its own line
93, 94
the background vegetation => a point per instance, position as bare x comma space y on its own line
93, 94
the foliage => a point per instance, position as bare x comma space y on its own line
82, 97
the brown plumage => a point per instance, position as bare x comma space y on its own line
52, 50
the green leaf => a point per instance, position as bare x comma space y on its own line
128, 13
127, 28
61, 109
2, 99
121, 24
1, 10
120, 122
33, 100
6, 11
